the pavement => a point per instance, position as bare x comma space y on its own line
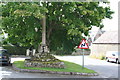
105, 69
18, 58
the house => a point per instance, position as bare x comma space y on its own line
99, 33
94, 35
107, 42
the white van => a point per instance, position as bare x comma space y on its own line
113, 56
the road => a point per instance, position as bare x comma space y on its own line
105, 69
8, 72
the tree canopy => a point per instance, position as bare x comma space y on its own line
20, 21
66, 22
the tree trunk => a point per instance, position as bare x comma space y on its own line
48, 36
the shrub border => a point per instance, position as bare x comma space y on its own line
53, 72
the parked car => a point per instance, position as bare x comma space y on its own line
113, 56
4, 57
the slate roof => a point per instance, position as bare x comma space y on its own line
108, 37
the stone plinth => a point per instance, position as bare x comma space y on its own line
44, 60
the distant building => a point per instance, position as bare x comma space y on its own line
94, 35
107, 42
99, 33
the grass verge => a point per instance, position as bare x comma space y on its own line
70, 67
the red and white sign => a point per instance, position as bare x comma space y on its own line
83, 44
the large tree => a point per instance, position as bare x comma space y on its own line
66, 22
22, 23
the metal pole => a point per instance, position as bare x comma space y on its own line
83, 60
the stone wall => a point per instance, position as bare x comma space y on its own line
80, 52
45, 64
101, 49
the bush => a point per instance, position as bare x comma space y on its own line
13, 50
61, 52
100, 56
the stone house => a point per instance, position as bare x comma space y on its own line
94, 35
106, 42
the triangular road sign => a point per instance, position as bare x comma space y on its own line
83, 44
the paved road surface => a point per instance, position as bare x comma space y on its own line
105, 69
8, 72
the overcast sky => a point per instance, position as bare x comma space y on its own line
111, 24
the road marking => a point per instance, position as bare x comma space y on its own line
5, 73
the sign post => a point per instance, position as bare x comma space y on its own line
83, 45
83, 60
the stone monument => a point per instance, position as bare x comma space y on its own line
43, 58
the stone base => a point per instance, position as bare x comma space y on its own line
45, 64
44, 60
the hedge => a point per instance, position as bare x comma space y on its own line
13, 50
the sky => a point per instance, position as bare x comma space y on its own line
111, 24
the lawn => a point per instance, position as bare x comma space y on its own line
70, 67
